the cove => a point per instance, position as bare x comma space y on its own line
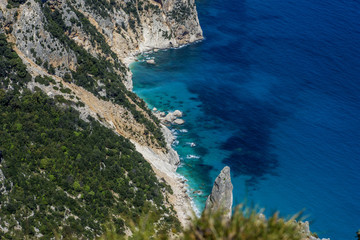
272, 92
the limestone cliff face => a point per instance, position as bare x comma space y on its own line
52, 37
221, 196
79, 51
128, 27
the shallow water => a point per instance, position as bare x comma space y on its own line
273, 92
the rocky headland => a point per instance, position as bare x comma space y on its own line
169, 118
68, 45
79, 52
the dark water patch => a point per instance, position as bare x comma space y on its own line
272, 77
202, 151
250, 157
252, 121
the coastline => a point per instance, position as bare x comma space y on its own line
165, 164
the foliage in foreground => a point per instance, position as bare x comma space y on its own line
245, 224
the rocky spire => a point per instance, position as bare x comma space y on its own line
221, 196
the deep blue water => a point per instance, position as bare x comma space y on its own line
273, 92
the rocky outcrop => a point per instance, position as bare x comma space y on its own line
305, 231
179, 121
31, 37
177, 113
170, 118
58, 39
115, 32
221, 196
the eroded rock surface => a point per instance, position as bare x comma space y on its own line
221, 196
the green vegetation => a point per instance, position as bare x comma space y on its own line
245, 224
101, 6
15, 3
62, 171
44, 80
130, 9
180, 13
13, 73
92, 70
95, 36
65, 176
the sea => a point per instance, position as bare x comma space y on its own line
273, 91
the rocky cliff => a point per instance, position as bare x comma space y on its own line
221, 197
77, 52
111, 29
86, 45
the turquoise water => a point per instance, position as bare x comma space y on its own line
273, 91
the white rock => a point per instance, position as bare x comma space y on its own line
179, 121
154, 109
170, 118
177, 113
150, 61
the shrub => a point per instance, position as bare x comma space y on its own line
245, 224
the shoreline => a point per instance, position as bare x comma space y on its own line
133, 56
165, 164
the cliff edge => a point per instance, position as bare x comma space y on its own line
77, 52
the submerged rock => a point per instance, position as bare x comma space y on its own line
221, 196
150, 61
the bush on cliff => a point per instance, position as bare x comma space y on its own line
69, 176
245, 224
61, 175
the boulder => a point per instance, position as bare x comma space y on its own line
170, 117
177, 113
179, 121
150, 61
221, 196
